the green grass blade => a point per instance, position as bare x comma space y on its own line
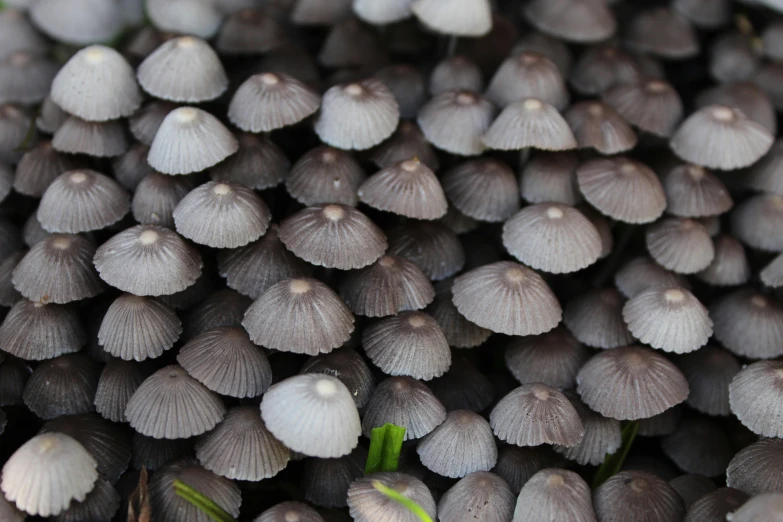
210, 508
385, 447
395, 495
614, 461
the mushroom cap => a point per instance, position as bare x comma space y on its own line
455, 17
484, 495
455, 121
408, 188
269, 101
148, 260
630, 382
331, 421
462, 444
405, 402
39, 331
190, 140
508, 298
630, 494
96, 84
577, 21
366, 504
554, 494
529, 123
47, 472
172, 405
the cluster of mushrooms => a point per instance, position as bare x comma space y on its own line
238, 235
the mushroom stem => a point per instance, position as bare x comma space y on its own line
452, 46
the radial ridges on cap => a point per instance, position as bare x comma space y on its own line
749, 324
327, 421
269, 101
461, 445
552, 237
721, 137
553, 358
222, 215
80, 201
455, 121
554, 494
535, 414
508, 298
595, 318
455, 17
242, 448
630, 383
409, 343
47, 472
333, 236
96, 84
183, 69
58, 270
148, 260
367, 504
38, 331
299, 315
390, 285
172, 405
483, 189
100, 139
206, 142
357, 115
530, 123
408, 188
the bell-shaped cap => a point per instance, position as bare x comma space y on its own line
463, 387
390, 285
269, 101
552, 237
225, 361
459, 332
408, 188
64, 385
333, 236
156, 197
484, 495
325, 175
721, 137
325, 482
172, 405
535, 414
168, 505
39, 167
242, 448
641, 273
749, 324
137, 328
148, 260
455, 121
692, 191
47, 472
652, 105
528, 75
145, 122
96, 84
327, 423
754, 396
757, 468
530, 123
622, 189
258, 164
508, 298
554, 494
249, 30
190, 140
58, 270
410, 343
669, 319
357, 115
757, 222
602, 435
551, 177
663, 33
299, 315
288, 511
630, 495
404, 402
484, 189
367, 504
183, 69
630, 383
80, 201
39, 331
461, 445
222, 215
